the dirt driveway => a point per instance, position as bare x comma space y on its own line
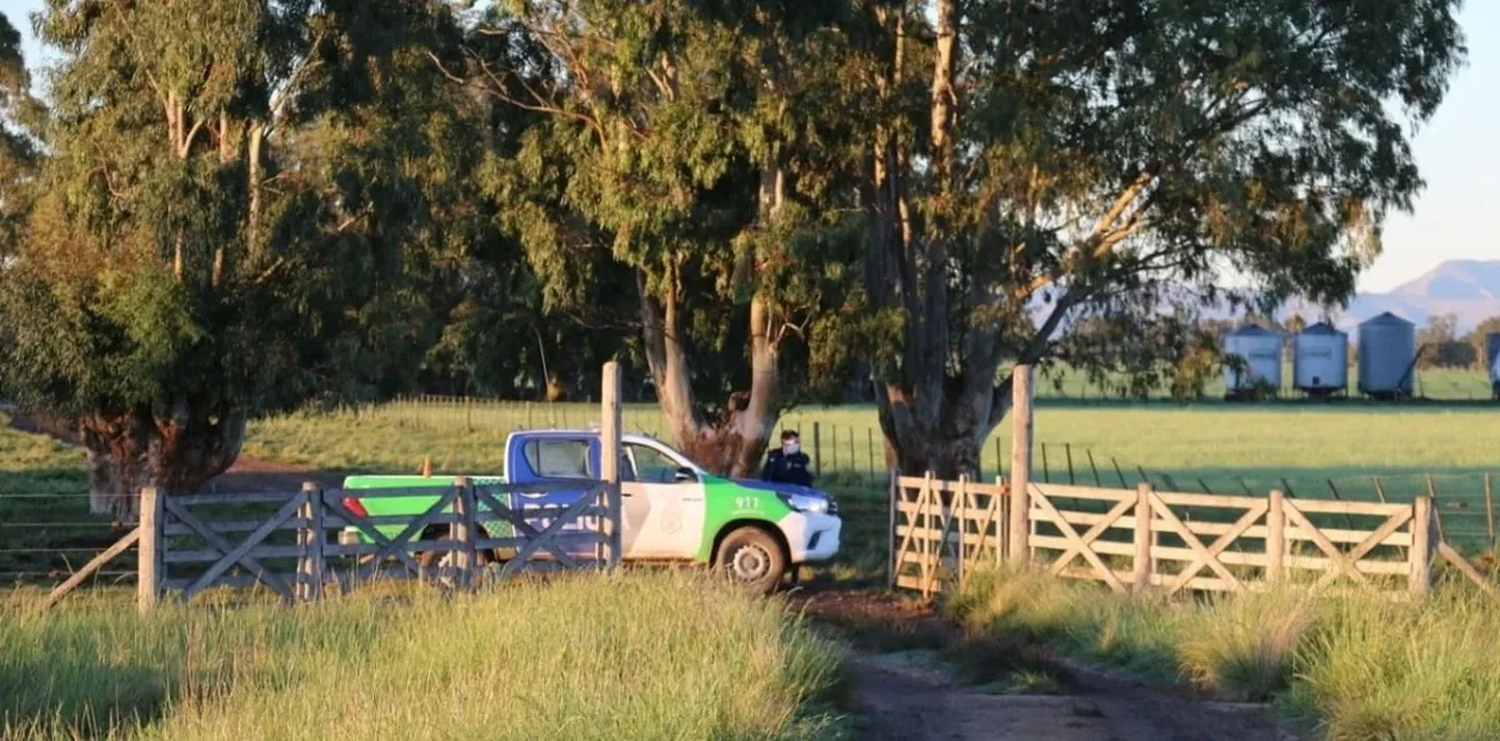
897, 699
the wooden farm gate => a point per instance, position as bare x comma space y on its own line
942, 530
290, 551
1198, 542
1134, 539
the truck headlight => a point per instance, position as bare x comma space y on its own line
805, 503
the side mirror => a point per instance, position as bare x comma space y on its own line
685, 475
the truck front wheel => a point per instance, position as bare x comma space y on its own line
751, 558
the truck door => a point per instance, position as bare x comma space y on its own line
663, 503
554, 458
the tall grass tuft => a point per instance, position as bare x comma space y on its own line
636, 655
1359, 665
1243, 646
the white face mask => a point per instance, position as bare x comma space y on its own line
790, 447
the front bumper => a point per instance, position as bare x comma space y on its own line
812, 538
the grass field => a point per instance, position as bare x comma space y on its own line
658, 655
1356, 665
1224, 447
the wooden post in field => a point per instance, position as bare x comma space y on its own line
310, 540
1000, 515
1275, 537
464, 532
1020, 463
817, 448
148, 564
960, 507
1420, 576
894, 496
1437, 509
609, 459
1143, 517
1489, 508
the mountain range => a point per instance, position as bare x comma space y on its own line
1468, 289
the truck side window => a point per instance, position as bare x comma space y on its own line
651, 466
559, 459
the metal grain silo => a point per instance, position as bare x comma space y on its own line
1387, 357
1320, 360
1260, 351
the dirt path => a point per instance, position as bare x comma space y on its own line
897, 699
904, 702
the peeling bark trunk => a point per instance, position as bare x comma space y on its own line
177, 453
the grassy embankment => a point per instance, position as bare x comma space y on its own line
1358, 666
647, 655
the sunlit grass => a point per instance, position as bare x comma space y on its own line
1358, 665
636, 655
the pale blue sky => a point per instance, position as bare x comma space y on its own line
1458, 151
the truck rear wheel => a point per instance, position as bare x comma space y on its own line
752, 558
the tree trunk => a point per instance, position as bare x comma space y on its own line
947, 437
177, 453
733, 441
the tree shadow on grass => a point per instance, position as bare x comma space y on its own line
50, 693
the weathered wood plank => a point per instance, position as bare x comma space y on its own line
1323, 506
237, 556
223, 527
1217, 501
98, 562
206, 532
1106, 547
269, 497
1467, 569
210, 555
1054, 491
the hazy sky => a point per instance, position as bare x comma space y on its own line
1458, 151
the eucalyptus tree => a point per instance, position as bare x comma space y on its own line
1034, 164
233, 195
681, 142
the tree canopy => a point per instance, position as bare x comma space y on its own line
227, 207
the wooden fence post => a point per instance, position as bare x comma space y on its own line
465, 532
961, 502
1275, 537
609, 459
1143, 517
1020, 463
1489, 508
1001, 517
311, 541
894, 495
149, 551
1420, 577
817, 448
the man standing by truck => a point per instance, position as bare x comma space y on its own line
787, 464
